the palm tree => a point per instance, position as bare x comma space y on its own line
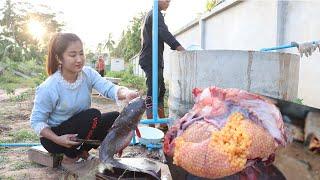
110, 43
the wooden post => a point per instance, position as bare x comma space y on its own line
41, 156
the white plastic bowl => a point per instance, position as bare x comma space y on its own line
150, 135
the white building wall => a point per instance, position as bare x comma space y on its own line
136, 67
249, 25
187, 38
303, 25
117, 65
190, 37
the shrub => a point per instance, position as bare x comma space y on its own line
9, 81
128, 79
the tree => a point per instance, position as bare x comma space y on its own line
14, 21
90, 56
10, 20
100, 48
211, 4
110, 43
130, 43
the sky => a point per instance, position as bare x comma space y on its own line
93, 20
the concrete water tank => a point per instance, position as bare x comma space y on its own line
267, 73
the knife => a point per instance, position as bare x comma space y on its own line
87, 141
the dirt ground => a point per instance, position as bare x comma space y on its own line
15, 111
295, 161
14, 117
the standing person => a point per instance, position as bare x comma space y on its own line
145, 58
100, 66
62, 102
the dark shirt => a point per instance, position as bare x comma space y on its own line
145, 55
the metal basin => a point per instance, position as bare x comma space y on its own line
150, 135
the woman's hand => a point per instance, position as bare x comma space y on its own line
127, 94
66, 140
131, 95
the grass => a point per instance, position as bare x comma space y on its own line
22, 97
3, 159
23, 135
2, 113
4, 149
23, 165
9, 81
298, 101
128, 79
6, 178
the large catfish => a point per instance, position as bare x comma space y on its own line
120, 136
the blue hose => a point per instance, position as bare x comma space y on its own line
18, 144
151, 121
291, 45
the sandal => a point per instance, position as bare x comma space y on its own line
87, 156
91, 157
73, 166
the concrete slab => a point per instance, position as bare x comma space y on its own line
270, 74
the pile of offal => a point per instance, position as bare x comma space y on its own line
228, 131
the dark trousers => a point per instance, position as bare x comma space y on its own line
101, 73
88, 124
161, 86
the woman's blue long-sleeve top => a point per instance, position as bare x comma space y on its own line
56, 100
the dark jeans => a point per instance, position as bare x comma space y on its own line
161, 86
101, 73
88, 124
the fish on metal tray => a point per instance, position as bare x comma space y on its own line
120, 136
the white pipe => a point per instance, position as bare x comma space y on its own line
202, 33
